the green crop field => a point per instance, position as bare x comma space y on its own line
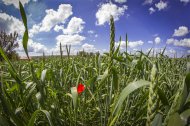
114, 89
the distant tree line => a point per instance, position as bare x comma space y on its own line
8, 43
85, 54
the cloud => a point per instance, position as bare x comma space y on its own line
158, 6
171, 51
132, 44
91, 32
183, 42
57, 20
171, 40
35, 29
11, 24
161, 5
151, 10
96, 35
70, 39
122, 45
155, 35
57, 28
74, 49
157, 40
135, 43
107, 9
71, 33
181, 31
88, 47
185, 1
188, 51
15, 2
150, 42
148, 2
120, 1
135, 50
75, 26
33, 47
168, 51
53, 18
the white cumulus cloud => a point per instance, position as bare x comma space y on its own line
157, 40
171, 40
171, 51
131, 44
181, 31
88, 47
75, 26
33, 47
57, 28
151, 10
15, 2
70, 39
53, 18
106, 10
35, 29
11, 24
120, 1
91, 32
122, 45
168, 51
148, 2
185, 1
161, 5
135, 43
183, 42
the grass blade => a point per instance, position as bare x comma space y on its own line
127, 91
34, 116
25, 37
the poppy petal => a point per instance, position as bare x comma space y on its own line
80, 88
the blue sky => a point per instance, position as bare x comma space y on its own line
85, 24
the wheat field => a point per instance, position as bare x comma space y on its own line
113, 89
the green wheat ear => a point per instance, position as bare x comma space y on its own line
153, 97
112, 39
126, 43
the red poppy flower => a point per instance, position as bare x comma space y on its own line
80, 88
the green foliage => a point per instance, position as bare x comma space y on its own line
34, 116
25, 37
126, 91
